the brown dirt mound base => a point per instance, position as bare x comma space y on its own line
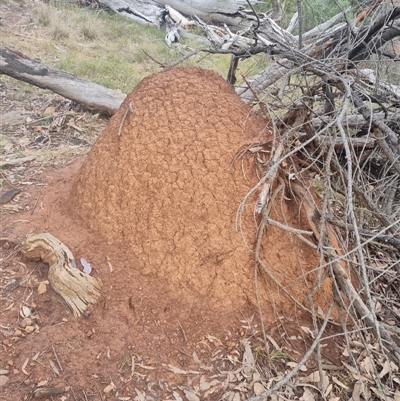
163, 181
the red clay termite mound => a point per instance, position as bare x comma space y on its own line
164, 179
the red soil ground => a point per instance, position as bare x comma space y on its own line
153, 208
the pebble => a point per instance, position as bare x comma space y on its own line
3, 380
29, 329
17, 333
26, 322
42, 288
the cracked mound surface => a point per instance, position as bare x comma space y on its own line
163, 180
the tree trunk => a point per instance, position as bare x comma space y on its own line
92, 95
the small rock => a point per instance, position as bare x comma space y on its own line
258, 388
17, 333
26, 322
10, 363
42, 288
29, 329
3, 380
16, 371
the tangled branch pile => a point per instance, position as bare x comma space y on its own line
337, 121
337, 125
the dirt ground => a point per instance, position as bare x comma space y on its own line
148, 338
155, 334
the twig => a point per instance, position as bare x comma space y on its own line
152, 58
56, 356
128, 109
183, 331
305, 358
21, 382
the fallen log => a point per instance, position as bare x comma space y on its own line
91, 95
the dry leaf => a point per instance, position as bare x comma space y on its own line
360, 388
190, 395
214, 340
181, 371
177, 396
307, 395
258, 388
388, 366
109, 388
109, 264
248, 361
141, 396
308, 331
87, 269
54, 368
24, 366
328, 390
292, 365
367, 366
273, 342
24, 312
145, 366
312, 377
380, 395
8, 307
339, 383
352, 370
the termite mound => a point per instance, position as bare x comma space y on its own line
166, 177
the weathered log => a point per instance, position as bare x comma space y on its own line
77, 289
218, 11
93, 96
144, 12
148, 12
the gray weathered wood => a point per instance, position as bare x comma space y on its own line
94, 96
144, 12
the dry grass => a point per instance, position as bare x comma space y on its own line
96, 45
